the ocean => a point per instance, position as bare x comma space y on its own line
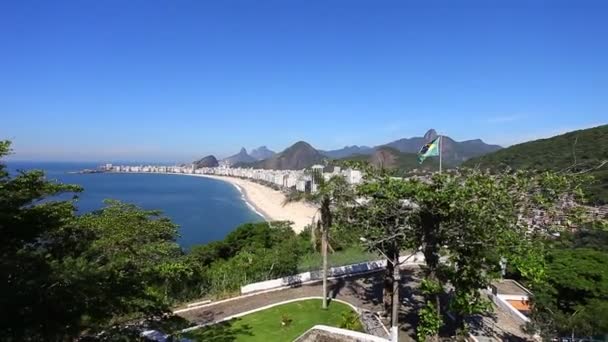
205, 209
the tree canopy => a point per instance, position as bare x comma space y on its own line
65, 275
466, 222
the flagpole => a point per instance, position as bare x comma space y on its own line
440, 156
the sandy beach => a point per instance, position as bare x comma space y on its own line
269, 202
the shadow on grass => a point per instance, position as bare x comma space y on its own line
220, 332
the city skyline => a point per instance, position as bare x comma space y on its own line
172, 82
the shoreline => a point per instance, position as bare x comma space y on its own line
249, 203
269, 202
262, 200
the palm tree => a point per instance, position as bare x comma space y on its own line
328, 196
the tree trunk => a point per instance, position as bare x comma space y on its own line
326, 218
324, 248
396, 301
438, 308
431, 241
388, 287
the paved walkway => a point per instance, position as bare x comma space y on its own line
362, 291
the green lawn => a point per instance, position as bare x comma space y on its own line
266, 325
351, 255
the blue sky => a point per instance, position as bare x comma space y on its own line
175, 80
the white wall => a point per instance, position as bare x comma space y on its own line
355, 335
340, 271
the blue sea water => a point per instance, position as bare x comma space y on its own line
205, 209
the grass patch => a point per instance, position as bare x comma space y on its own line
279, 323
351, 255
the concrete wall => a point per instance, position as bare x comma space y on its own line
334, 272
326, 333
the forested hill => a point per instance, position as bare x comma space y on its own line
578, 150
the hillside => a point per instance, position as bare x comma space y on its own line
580, 150
390, 158
208, 161
296, 157
241, 157
454, 152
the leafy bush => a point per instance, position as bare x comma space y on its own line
351, 320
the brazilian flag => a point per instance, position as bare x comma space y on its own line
430, 149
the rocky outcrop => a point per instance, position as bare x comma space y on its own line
261, 153
208, 161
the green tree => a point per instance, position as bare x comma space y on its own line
35, 233
475, 218
465, 222
259, 251
140, 243
330, 195
573, 299
382, 219
65, 276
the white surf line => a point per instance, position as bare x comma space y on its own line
246, 200
357, 310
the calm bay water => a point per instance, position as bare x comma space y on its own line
205, 209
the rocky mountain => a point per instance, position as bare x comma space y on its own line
348, 151
208, 161
582, 150
261, 153
391, 158
296, 157
241, 157
454, 152
401, 153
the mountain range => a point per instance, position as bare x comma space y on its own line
241, 157
391, 158
400, 153
454, 152
582, 150
298, 156
261, 153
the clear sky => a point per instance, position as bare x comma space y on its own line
175, 80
